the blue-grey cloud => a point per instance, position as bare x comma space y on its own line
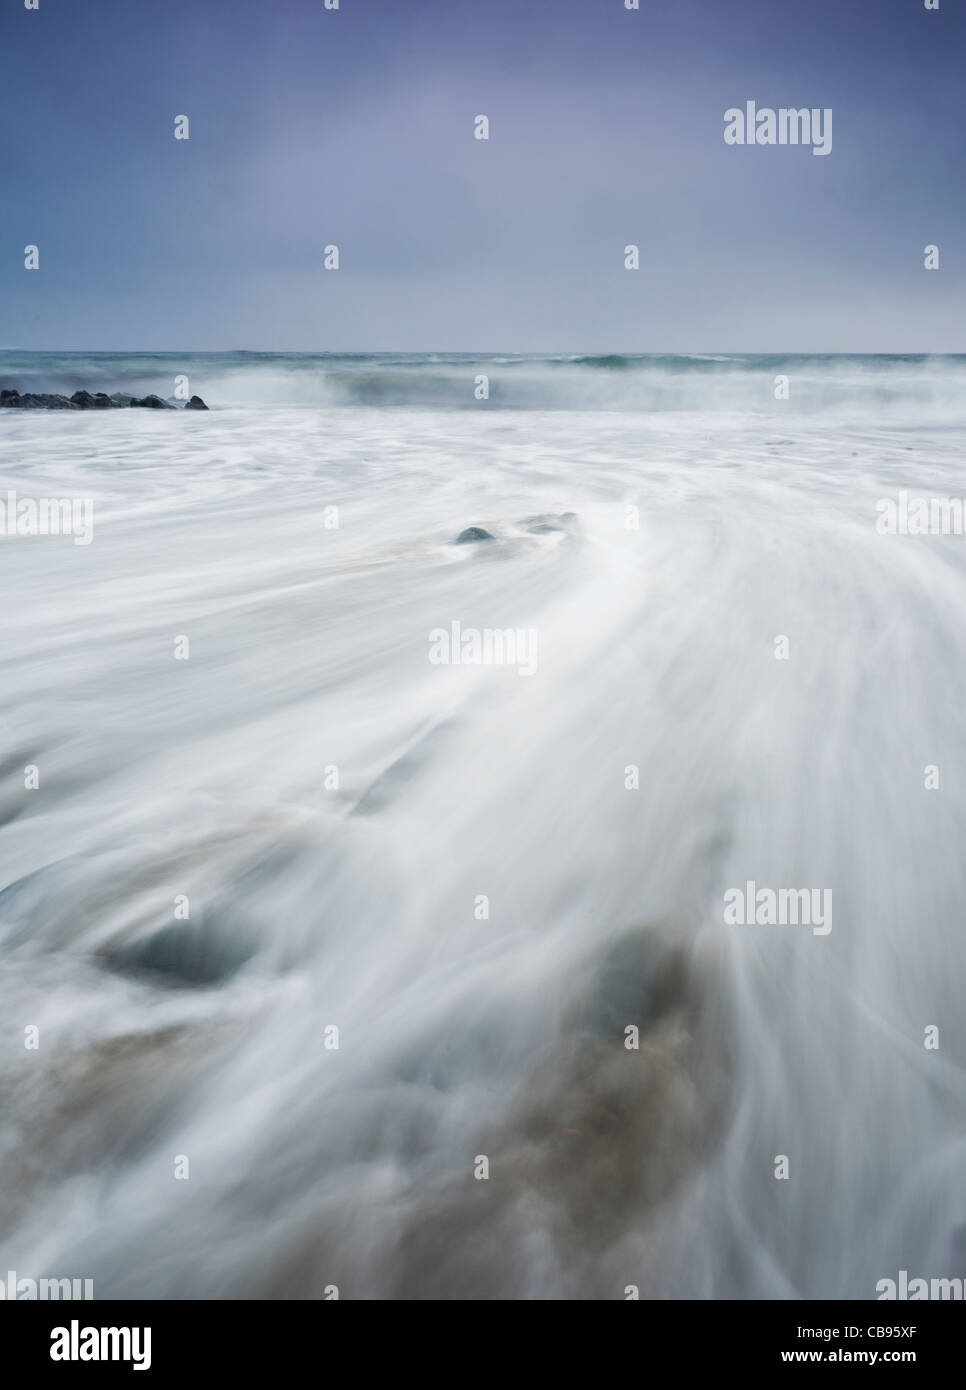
355, 127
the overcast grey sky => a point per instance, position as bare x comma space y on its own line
355, 127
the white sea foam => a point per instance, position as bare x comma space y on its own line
358, 905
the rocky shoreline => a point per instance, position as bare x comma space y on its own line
83, 400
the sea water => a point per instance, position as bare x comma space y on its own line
327, 965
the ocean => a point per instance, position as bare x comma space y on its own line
364, 894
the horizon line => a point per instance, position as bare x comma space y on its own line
487, 352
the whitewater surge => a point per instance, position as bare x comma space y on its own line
901, 388
309, 833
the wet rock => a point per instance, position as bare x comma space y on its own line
42, 401
182, 954
473, 533
639, 978
84, 400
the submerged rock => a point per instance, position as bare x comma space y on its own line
183, 954
152, 403
473, 533
541, 525
196, 403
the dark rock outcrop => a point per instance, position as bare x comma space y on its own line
83, 400
473, 533
30, 401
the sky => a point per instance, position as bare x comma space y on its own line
355, 127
